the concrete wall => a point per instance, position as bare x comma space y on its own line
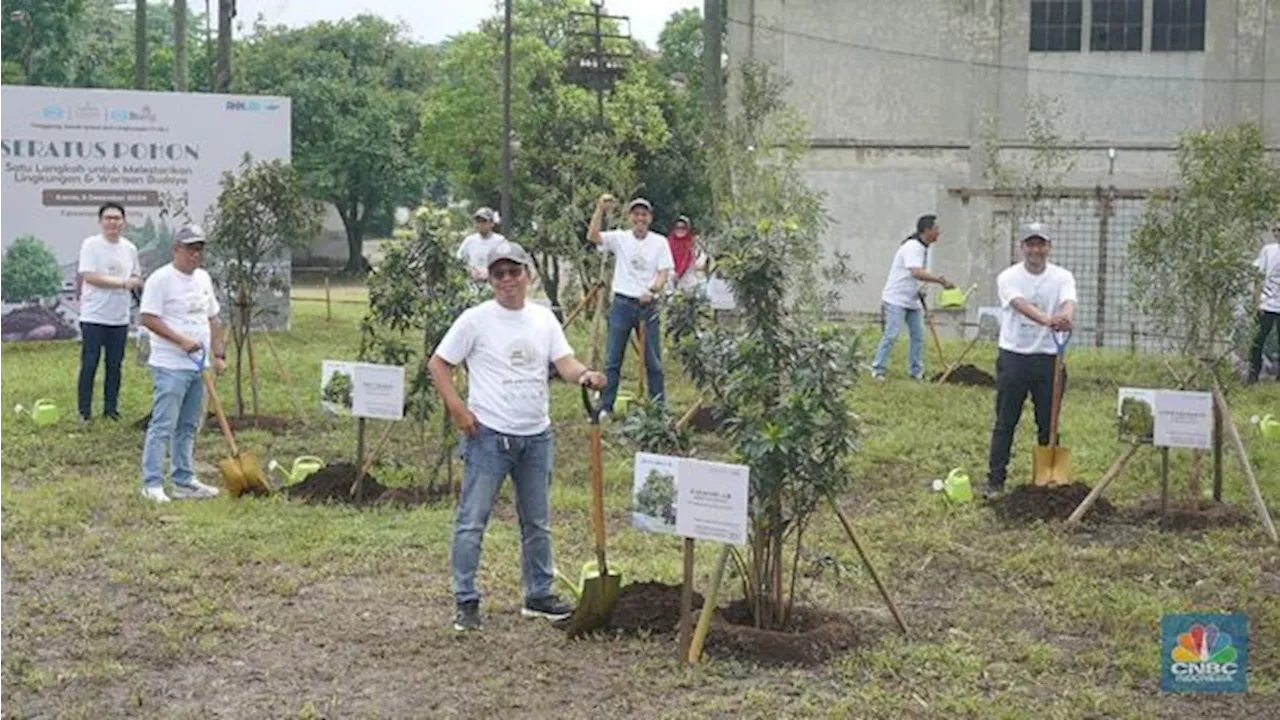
901, 97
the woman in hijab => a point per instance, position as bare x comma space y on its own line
684, 252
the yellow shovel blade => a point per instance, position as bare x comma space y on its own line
599, 595
1051, 465
243, 474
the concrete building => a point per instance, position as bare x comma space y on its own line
909, 102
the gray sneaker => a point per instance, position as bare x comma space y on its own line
550, 607
194, 490
466, 617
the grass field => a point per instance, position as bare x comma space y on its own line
270, 608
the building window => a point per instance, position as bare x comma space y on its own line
1117, 26
1056, 25
1177, 26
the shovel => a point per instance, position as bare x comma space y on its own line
599, 586
1052, 465
241, 473
933, 330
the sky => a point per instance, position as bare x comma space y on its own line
434, 20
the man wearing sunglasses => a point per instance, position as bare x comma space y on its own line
506, 344
180, 310
1266, 297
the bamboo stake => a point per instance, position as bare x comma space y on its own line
686, 601
1246, 467
1112, 473
708, 607
866, 562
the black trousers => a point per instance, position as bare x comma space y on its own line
94, 340
1017, 376
1266, 321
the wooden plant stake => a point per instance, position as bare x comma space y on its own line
866, 562
708, 607
1242, 457
956, 363
366, 463
686, 601
328, 305
1164, 484
1112, 473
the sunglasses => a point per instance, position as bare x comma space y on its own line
506, 272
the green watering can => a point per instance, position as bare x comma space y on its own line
954, 298
957, 487
1268, 426
622, 403
303, 466
43, 412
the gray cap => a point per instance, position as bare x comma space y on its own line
1034, 230
190, 235
484, 213
639, 202
507, 250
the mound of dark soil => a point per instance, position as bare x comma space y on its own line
332, 483
1028, 503
1189, 515
968, 375
706, 419
815, 636
649, 608
35, 322
270, 423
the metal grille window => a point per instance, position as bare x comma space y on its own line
1117, 26
1177, 25
1056, 25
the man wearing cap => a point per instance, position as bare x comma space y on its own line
475, 248
506, 344
180, 311
901, 297
109, 271
639, 275
1037, 299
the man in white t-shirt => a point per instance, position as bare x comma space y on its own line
180, 312
643, 262
507, 344
475, 248
109, 272
901, 297
1037, 302
1266, 297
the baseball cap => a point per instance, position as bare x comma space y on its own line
1035, 230
507, 250
639, 202
484, 213
190, 235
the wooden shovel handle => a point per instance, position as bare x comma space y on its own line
597, 499
217, 410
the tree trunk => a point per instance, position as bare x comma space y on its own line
238, 338
354, 225
180, 45
140, 72
548, 268
222, 75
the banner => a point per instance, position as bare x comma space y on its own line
159, 154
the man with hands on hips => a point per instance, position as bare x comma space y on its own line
506, 344
639, 275
180, 311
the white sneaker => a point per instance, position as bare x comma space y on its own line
196, 489
155, 494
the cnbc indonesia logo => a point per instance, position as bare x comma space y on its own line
1205, 657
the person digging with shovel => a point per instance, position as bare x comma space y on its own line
1037, 301
506, 344
180, 310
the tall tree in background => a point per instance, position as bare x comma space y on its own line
140, 73
222, 74
34, 38
357, 87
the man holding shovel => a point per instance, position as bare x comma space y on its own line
1037, 299
506, 344
902, 300
180, 311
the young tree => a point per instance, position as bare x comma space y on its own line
1047, 164
781, 376
30, 272
260, 216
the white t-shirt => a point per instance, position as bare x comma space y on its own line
901, 289
1269, 263
1047, 291
507, 353
117, 260
475, 249
185, 303
638, 260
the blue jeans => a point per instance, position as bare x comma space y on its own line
177, 401
894, 318
488, 458
624, 315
